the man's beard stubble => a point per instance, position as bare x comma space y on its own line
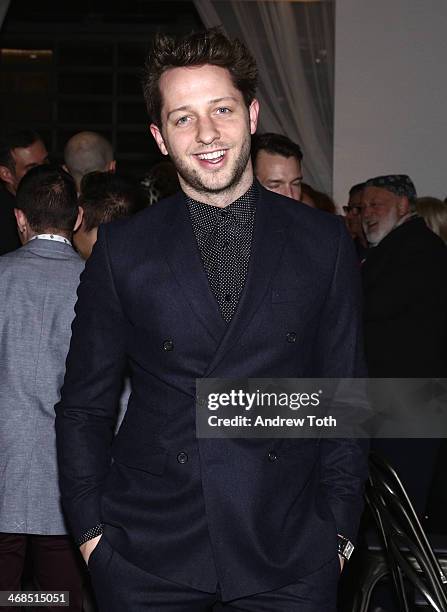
192, 178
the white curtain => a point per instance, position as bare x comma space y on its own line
293, 43
4, 5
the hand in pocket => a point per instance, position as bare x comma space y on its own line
88, 547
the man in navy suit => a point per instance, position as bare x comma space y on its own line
222, 280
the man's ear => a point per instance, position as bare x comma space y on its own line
158, 138
403, 206
253, 112
112, 166
6, 175
79, 218
21, 219
22, 225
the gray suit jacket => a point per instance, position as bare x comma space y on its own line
37, 294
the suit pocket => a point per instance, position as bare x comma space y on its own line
304, 300
96, 552
139, 455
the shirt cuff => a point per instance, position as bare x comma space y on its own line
91, 533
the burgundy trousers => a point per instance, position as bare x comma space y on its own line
56, 564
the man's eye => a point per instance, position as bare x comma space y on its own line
182, 121
297, 183
223, 110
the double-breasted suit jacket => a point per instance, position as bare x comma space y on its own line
207, 511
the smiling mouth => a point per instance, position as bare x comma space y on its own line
213, 156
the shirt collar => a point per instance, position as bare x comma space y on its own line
405, 218
54, 237
241, 210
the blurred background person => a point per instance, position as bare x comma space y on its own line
434, 213
87, 152
277, 164
38, 285
160, 182
20, 150
405, 311
353, 219
104, 197
316, 199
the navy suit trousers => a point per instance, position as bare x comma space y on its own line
119, 585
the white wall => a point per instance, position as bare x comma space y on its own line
391, 93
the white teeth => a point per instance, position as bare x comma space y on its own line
213, 155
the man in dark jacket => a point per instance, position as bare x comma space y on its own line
405, 316
222, 280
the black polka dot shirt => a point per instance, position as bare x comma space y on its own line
224, 238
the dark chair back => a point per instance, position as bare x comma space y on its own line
406, 546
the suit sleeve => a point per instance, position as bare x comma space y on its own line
339, 354
86, 413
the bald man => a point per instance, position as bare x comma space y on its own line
88, 152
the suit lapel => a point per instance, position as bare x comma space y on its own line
182, 253
266, 249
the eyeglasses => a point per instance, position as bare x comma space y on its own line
355, 210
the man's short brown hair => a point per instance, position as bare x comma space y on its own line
47, 196
197, 49
106, 196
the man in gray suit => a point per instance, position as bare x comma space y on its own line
37, 294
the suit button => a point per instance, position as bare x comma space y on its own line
272, 456
291, 337
168, 345
182, 457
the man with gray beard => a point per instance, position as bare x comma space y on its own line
405, 310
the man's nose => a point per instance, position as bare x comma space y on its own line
365, 211
289, 191
295, 192
207, 130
